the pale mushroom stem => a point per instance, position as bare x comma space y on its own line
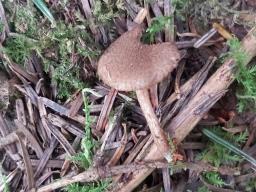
158, 134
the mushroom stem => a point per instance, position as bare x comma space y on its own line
158, 134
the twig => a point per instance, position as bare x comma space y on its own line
190, 43
94, 174
97, 173
205, 38
217, 84
62, 123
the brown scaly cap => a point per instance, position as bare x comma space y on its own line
129, 65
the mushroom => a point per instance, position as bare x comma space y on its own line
129, 65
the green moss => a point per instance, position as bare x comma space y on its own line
62, 42
66, 47
92, 187
19, 49
69, 40
245, 76
158, 24
25, 20
213, 178
106, 11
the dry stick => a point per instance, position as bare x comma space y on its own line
97, 173
186, 120
94, 174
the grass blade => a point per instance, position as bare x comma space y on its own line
228, 145
43, 8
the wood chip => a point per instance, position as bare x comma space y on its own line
108, 103
45, 158
28, 166
33, 141
115, 158
63, 141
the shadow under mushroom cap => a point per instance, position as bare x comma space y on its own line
129, 65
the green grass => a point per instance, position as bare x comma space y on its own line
229, 146
218, 155
44, 10
84, 158
88, 142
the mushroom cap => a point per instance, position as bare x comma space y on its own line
129, 65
